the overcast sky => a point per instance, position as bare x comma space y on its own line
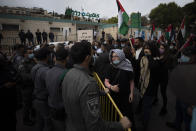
106, 8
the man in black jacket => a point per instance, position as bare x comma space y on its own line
44, 36
39, 37
29, 36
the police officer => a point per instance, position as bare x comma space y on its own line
19, 56
38, 74
54, 79
29, 36
44, 36
7, 94
81, 97
39, 37
27, 85
22, 36
17, 60
51, 36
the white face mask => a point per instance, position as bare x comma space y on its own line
171, 47
116, 62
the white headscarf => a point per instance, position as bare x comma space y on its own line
124, 64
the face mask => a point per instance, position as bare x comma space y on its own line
136, 46
146, 54
122, 45
171, 47
115, 45
161, 51
116, 62
95, 47
30, 56
184, 59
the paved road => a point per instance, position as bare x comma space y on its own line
156, 123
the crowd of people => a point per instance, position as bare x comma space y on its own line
55, 87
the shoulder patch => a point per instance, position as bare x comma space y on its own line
93, 106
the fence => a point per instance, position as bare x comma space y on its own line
8, 43
109, 109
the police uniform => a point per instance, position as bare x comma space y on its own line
7, 95
40, 93
27, 87
81, 101
54, 79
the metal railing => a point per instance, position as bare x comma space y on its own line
109, 109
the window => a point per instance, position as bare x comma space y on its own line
17, 12
10, 27
9, 11
55, 29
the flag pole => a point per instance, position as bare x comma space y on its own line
179, 30
130, 42
180, 27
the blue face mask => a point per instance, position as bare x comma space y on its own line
95, 47
122, 45
116, 62
31, 56
115, 45
184, 59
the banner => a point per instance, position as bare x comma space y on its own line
85, 35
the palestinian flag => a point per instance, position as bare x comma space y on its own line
187, 43
152, 31
182, 28
123, 19
181, 34
168, 32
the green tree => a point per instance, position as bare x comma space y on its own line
144, 21
68, 13
112, 20
166, 14
190, 15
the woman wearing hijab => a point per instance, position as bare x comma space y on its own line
120, 81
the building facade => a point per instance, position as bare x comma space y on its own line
10, 25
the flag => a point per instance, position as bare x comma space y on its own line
182, 28
168, 32
161, 39
187, 43
172, 36
152, 31
181, 34
123, 19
